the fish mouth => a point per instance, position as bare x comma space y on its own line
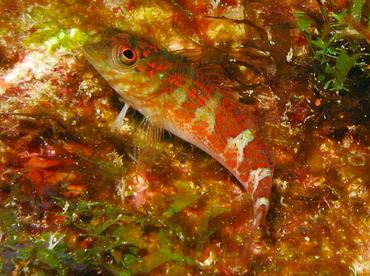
97, 55
91, 55
100, 58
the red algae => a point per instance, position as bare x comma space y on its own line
67, 181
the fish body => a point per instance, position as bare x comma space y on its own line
176, 94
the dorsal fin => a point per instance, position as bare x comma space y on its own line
208, 64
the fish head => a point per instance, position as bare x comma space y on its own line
130, 66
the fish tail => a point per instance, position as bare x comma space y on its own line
262, 206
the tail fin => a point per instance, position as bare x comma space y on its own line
259, 219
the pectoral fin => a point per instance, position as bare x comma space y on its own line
148, 143
118, 122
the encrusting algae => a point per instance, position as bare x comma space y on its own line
75, 199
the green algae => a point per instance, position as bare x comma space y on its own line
337, 47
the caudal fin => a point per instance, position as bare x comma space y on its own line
259, 218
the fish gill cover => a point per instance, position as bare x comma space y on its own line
67, 183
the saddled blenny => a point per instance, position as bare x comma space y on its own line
175, 93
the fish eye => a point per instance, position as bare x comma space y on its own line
126, 55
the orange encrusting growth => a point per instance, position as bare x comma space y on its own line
176, 94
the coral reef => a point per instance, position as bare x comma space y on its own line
67, 181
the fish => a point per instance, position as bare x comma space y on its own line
174, 92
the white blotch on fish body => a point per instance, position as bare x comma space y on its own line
239, 143
255, 176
